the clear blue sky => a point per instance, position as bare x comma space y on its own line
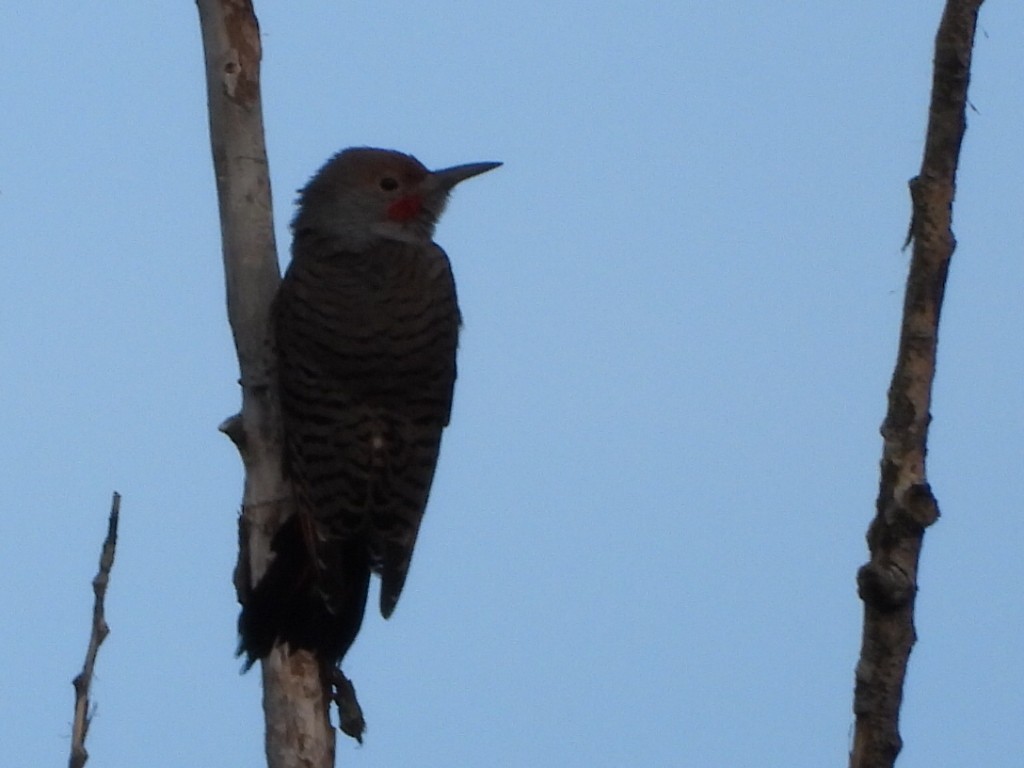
682, 295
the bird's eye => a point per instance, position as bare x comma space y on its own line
388, 184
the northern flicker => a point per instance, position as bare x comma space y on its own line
365, 325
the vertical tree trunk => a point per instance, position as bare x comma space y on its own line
295, 697
906, 506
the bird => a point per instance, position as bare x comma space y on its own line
365, 328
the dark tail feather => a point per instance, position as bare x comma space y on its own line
288, 605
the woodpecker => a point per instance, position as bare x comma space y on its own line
365, 325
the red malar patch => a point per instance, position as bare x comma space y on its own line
404, 208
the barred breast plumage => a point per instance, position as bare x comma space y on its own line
365, 326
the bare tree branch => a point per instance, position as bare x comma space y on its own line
296, 696
100, 630
906, 506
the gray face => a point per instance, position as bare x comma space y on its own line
364, 195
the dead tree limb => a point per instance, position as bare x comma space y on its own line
100, 630
887, 584
296, 697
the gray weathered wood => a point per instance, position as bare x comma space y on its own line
295, 696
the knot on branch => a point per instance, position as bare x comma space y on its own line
234, 428
912, 510
920, 505
915, 508
885, 585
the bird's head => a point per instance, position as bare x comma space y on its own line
363, 195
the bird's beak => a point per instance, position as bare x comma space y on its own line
446, 178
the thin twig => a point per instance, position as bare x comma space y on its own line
906, 506
100, 630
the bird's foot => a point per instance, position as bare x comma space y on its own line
350, 714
